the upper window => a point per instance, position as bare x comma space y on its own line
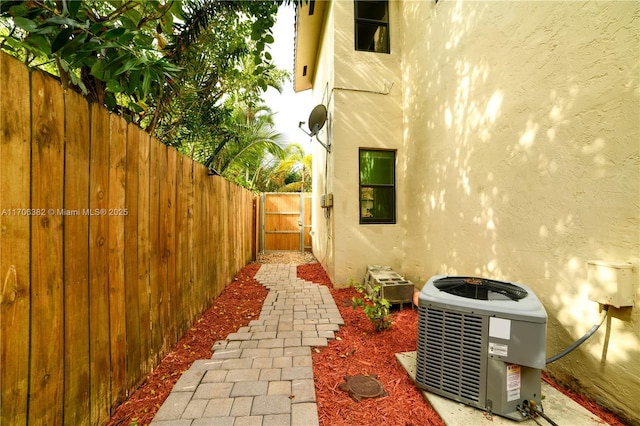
372, 26
377, 186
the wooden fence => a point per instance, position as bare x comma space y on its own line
111, 246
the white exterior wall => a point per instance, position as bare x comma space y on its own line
522, 142
362, 92
322, 220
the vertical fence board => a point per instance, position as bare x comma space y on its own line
143, 253
46, 368
116, 213
197, 239
180, 221
15, 167
224, 231
155, 292
219, 235
209, 245
99, 267
162, 250
132, 320
216, 236
230, 231
254, 231
187, 273
76, 260
170, 252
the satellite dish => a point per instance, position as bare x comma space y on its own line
317, 118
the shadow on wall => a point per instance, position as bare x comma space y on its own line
521, 140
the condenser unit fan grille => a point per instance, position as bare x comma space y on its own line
480, 288
450, 357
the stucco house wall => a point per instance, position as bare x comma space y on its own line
517, 129
366, 90
322, 222
522, 134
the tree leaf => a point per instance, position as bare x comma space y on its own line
127, 65
126, 37
73, 6
96, 28
45, 30
15, 11
146, 82
63, 20
110, 100
134, 81
38, 43
26, 24
114, 86
135, 107
61, 39
114, 33
144, 40
133, 17
70, 48
98, 70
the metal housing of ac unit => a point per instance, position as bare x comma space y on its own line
485, 353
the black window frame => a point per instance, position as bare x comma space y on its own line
361, 21
376, 220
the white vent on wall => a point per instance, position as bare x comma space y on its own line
481, 342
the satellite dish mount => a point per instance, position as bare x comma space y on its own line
317, 118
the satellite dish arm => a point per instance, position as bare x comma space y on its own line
314, 132
305, 132
325, 146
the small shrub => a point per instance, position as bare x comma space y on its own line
376, 308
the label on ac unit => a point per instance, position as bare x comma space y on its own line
514, 382
500, 328
498, 349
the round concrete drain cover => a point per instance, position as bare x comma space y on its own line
361, 386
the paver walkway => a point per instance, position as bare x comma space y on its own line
262, 374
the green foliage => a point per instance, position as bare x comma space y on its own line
289, 173
376, 308
186, 71
130, 54
250, 141
107, 49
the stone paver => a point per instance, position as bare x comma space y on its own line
262, 374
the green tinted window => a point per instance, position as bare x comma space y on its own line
377, 186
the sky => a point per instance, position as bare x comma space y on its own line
289, 107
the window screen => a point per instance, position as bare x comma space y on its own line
377, 186
372, 26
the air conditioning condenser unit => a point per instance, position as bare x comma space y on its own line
481, 342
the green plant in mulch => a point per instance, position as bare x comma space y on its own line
376, 308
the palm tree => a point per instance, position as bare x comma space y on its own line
250, 142
289, 173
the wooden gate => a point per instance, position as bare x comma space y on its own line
285, 221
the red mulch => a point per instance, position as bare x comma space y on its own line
356, 350
239, 303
